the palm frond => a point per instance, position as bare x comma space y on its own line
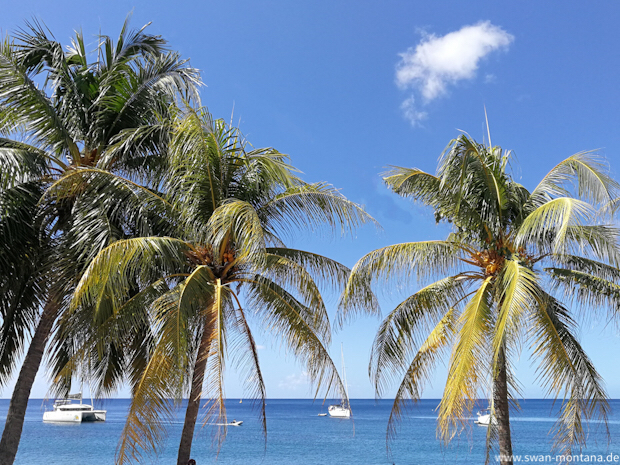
548, 226
67, 75
237, 221
23, 281
519, 291
447, 201
590, 290
289, 275
420, 370
8, 122
189, 298
165, 375
161, 74
248, 364
309, 206
598, 241
587, 265
112, 272
133, 43
107, 207
414, 183
205, 157
216, 358
106, 343
21, 298
293, 323
22, 162
474, 184
585, 171
140, 151
325, 272
401, 262
159, 383
30, 106
467, 362
267, 166
566, 371
398, 336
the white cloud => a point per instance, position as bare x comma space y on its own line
436, 62
411, 112
295, 381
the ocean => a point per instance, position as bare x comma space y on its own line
297, 435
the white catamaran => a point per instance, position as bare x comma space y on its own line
344, 409
67, 411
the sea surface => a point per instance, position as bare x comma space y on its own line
297, 435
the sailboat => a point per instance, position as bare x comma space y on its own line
343, 410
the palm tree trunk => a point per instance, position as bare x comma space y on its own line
193, 403
19, 401
502, 409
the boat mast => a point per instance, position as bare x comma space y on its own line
345, 401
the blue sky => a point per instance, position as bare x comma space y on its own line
348, 87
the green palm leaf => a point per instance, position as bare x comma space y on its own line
398, 336
248, 364
585, 170
467, 362
421, 368
290, 275
237, 221
587, 289
400, 261
311, 205
151, 405
111, 272
286, 318
547, 227
325, 272
519, 291
567, 371
30, 105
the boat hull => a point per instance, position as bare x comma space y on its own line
74, 416
338, 411
485, 420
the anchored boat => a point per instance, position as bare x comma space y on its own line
65, 410
484, 418
344, 409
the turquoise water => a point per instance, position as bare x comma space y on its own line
296, 435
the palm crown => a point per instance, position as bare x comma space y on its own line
172, 308
62, 141
503, 269
60, 118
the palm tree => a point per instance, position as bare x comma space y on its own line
54, 152
501, 274
224, 268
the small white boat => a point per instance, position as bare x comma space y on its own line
67, 411
235, 423
322, 414
339, 411
344, 409
484, 418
